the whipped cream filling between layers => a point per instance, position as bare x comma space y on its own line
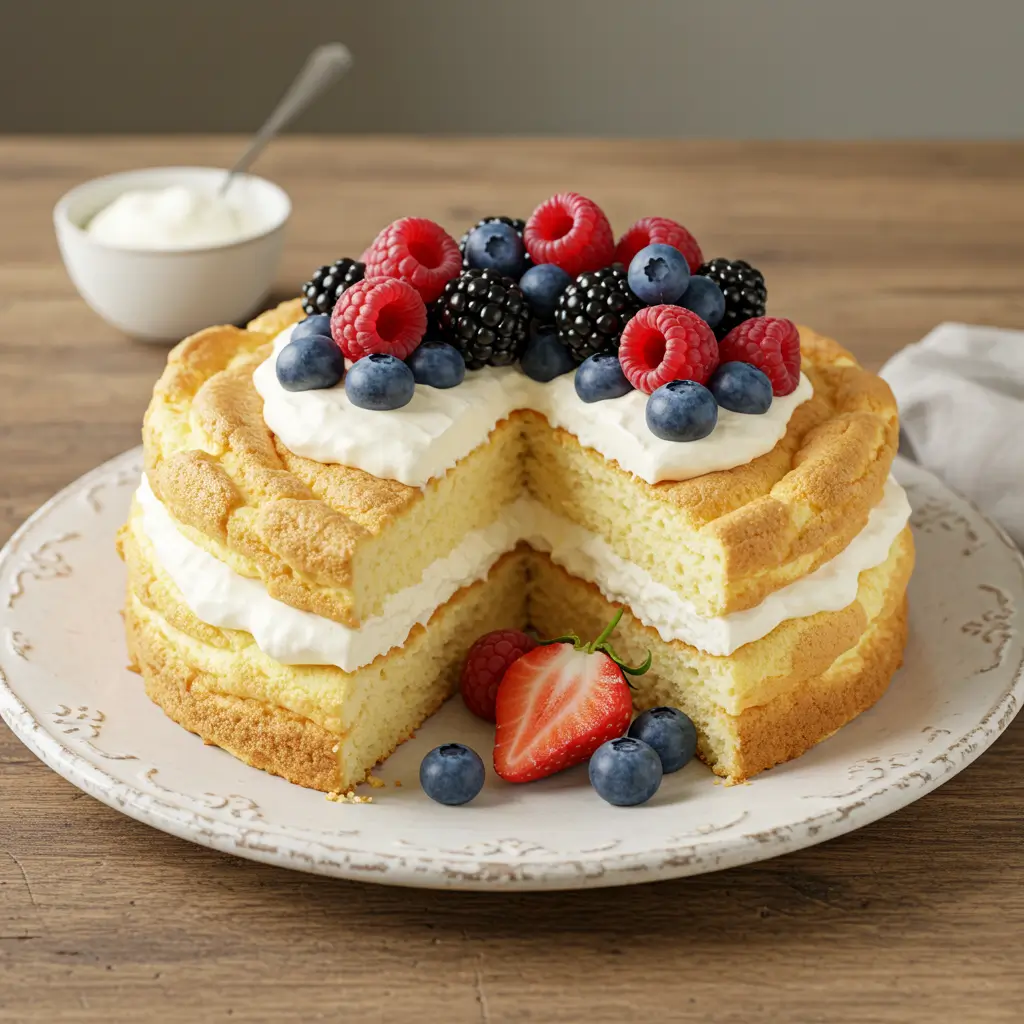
219, 596
438, 427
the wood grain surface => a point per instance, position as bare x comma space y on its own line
917, 918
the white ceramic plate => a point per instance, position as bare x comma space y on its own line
66, 693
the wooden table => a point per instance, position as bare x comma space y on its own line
917, 918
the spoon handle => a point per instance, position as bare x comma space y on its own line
322, 67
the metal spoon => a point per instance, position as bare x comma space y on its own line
325, 64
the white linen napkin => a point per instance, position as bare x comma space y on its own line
961, 396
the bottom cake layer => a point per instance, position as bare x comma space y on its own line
315, 726
320, 727
810, 702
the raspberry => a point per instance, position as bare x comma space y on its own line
485, 666
770, 343
379, 314
570, 231
661, 231
665, 343
416, 250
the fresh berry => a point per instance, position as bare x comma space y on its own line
485, 667
557, 704
681, 410
416, 250
593, 311
320, 324
705, 298
323, 290
600, 377
770, 343
670, 733
437, 364
663, 343
625, 772
571, 231
660, 230
496, 246
379, 315
452, 774
546, 357
381, 382
310, 364
658, 274
485, 316
516, 223
741, 387
742, 287
541, 285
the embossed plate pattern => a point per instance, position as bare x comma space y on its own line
66, 693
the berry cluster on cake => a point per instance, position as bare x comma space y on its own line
536, 428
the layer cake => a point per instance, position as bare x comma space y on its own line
308, 615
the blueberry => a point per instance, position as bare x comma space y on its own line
741, 387
600, 376
625, 772
452, 774
681, 410
318, 324
705, 298
669, 733
496, 246
379, 381
311, 363
546, 357
658, 273
437, 364
542, 285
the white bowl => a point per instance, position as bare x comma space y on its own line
166, 294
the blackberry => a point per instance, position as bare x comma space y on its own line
484, 316
743, 288
513, 222
593, 311
321, 292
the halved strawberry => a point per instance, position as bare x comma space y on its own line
557, 704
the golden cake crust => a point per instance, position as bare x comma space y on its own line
298, 525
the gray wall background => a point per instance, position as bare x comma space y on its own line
714, 68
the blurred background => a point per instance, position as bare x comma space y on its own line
726, 69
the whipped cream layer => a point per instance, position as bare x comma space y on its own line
222, 598
427, 437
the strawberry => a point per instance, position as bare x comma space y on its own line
557, 704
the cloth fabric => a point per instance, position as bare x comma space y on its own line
961, 396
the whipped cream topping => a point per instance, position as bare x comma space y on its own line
427, 437
177, 217
222, 598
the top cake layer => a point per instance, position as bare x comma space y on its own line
337, 541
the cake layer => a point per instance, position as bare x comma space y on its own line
315, 726
769, 701
756, 673
339, 542
773, 699
222, 598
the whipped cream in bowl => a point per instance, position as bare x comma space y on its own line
176, 217
159, 255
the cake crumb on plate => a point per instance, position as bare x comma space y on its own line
349, 798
